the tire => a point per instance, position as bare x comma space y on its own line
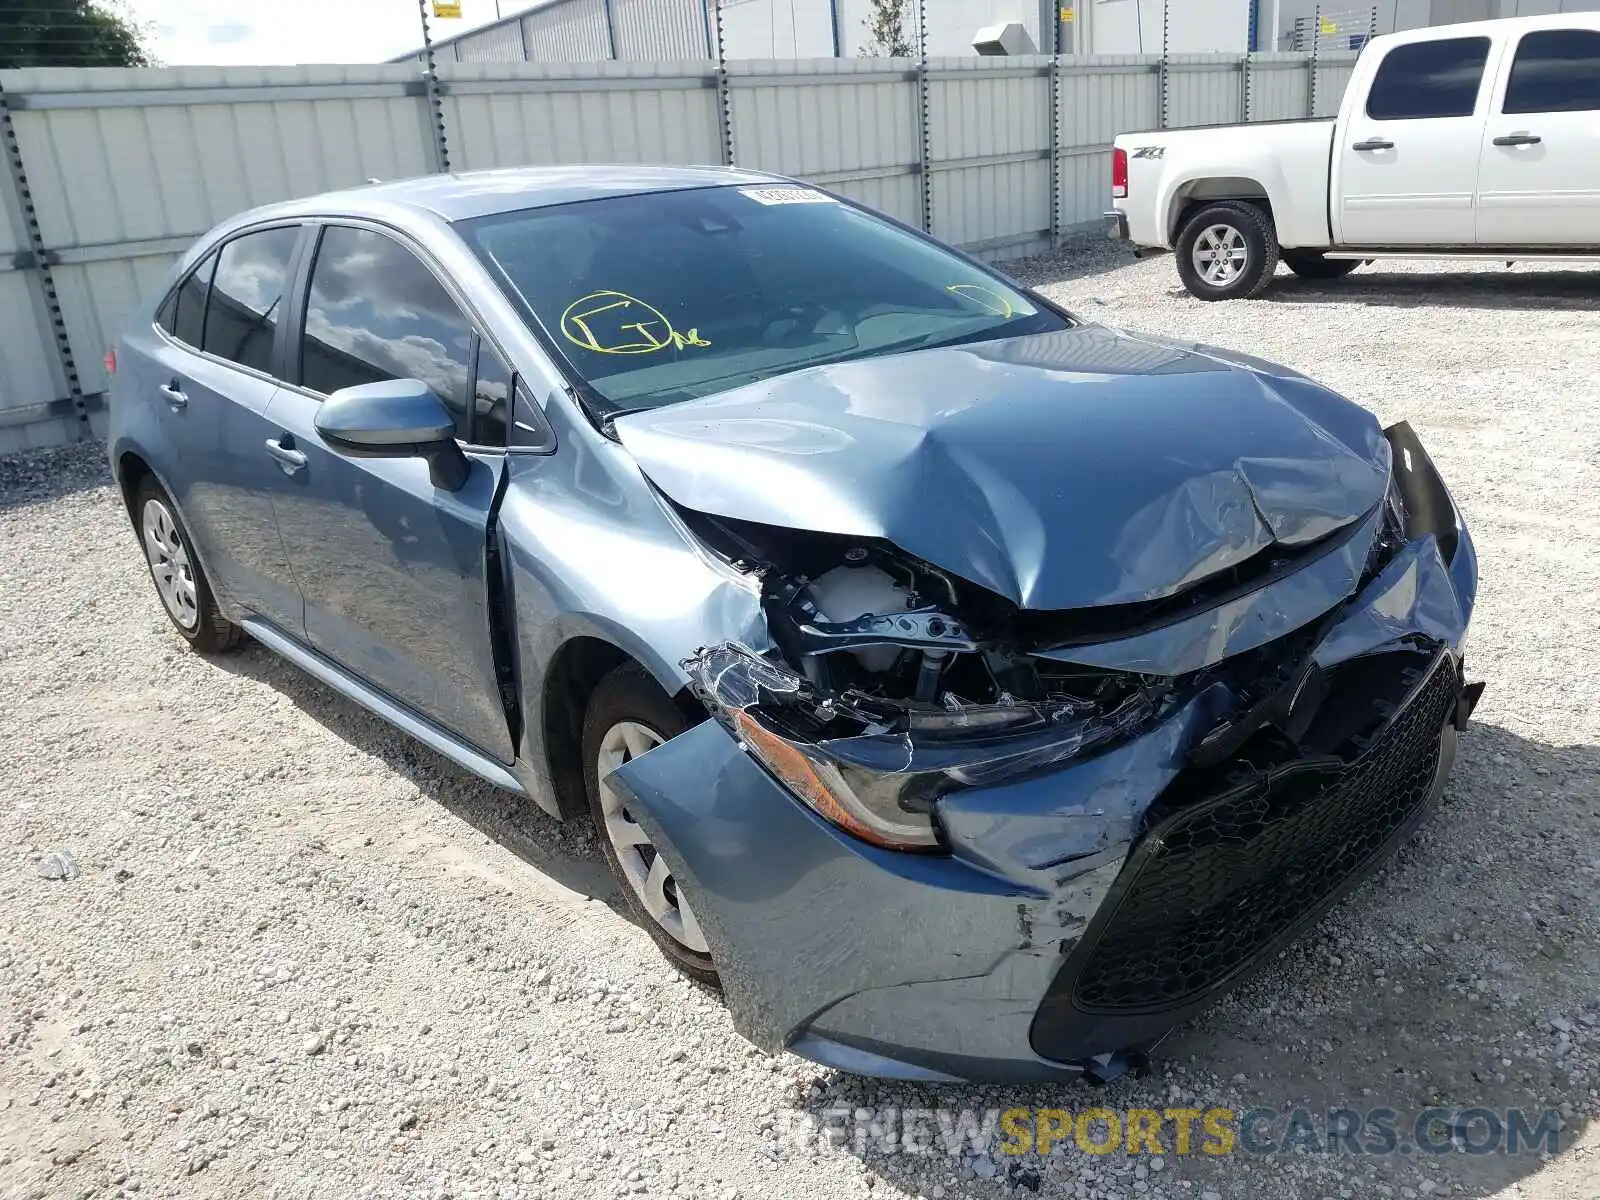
1309, 264
1237, 226
181, 584
627, 713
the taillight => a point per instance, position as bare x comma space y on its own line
1119, 174
111, 361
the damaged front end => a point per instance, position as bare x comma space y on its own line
1028, 844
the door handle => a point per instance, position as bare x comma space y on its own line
1374, 144
174, 395
1520, 138
290, 459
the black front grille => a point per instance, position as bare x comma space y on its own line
1219, 881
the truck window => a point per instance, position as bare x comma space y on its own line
1429, 79
1556, 70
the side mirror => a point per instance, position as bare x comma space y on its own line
397, 418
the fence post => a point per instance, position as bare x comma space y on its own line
925, 120
1166, 83
1055, 131
430, 72
1246, 65
724, 91
1311, 83
23, 194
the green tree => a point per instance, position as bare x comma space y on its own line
886, 30
70, 33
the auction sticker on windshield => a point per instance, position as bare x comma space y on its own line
786, 195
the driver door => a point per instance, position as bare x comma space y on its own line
393, 570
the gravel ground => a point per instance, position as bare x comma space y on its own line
302, 956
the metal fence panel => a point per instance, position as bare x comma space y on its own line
1101, 96
132, 155
989, 142
127, 167
1333, 76
529, 114
1204, 90
845, 122
1278, 84
571, 32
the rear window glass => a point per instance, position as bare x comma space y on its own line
1429, 79
247, 297
184, 313
667, 296
1556, 70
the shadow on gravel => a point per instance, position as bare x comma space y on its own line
1487, 1001
1446, 289
44, 475
564, 851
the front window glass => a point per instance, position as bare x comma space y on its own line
375, 313
668, 296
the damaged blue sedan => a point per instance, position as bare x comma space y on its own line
971, 691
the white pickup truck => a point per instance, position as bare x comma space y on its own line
1478, 140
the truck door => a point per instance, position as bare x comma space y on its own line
1540, 179
1408, 157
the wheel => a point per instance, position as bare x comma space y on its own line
1309, 264
628, 715
175, 569
1227, 251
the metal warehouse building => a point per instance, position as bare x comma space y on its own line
676, 30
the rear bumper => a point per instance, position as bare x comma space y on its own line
1116, 225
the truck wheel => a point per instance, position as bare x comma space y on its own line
630, 715
1227, 251
1310, 264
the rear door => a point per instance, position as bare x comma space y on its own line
1408, 157
211, 368
1540, 179
394, 571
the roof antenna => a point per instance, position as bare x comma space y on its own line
374, 179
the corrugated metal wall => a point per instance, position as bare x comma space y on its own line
571, 32
127, 168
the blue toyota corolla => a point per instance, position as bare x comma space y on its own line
968, 690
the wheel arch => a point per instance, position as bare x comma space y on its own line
1194, 193
574, 672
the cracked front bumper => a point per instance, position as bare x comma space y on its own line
1042, 940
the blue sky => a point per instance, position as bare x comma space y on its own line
296, 31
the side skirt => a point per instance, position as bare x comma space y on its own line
354, 688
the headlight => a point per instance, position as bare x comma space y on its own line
875, 770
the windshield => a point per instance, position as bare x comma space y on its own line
668, 296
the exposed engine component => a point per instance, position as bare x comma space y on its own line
859, 589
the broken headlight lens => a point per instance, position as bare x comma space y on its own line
875, 769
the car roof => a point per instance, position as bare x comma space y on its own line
458, 197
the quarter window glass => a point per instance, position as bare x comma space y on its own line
1429, 79
184, 313
1556, 70
247, 297
376, 313
491, 398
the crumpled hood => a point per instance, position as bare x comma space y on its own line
1061, 470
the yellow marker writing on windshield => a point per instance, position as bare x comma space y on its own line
610, 322
985, 298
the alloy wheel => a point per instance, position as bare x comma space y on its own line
642, 866
169, 564
1220, 255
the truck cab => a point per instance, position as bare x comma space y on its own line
1479, 140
